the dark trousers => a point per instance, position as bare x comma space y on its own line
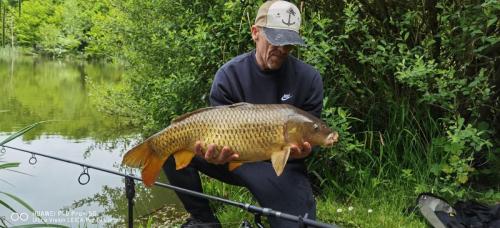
289, 193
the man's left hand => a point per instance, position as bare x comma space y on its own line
298, 152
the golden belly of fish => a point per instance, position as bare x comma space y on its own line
254, 132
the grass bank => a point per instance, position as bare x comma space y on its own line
383, 208
390, 206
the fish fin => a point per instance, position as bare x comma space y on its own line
137, 156
233, 165
152, 169
279, 159
183, 158
143, 156
240, 104
186, 115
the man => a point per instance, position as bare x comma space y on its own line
266, 75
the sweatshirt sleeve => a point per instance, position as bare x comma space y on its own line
314, 101
221, 93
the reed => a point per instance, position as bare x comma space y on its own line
7, 166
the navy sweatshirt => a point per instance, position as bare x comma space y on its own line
295, 83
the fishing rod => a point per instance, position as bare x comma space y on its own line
84, 178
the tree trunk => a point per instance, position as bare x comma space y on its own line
12, 32
2, 10
432, 22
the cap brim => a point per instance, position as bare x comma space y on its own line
281, 37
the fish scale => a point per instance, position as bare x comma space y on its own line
224, 131
254, 132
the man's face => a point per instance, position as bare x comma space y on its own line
268, 57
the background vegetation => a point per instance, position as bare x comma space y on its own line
412, 86
57, 28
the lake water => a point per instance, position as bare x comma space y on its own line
35, 89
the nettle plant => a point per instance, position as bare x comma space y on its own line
462, 144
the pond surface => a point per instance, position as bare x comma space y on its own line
33, 90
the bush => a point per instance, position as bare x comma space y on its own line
406, 83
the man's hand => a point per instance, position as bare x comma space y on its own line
226, 154
297, 152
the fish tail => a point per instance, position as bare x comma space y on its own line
143, 156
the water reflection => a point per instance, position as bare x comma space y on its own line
115, 204
33, 90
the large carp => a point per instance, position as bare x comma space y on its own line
254, 132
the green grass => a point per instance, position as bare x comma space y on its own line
229, 216
373, 207
384, 208
388, 208
392, 205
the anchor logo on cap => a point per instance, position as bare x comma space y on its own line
290, 13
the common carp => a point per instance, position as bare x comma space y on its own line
254, 132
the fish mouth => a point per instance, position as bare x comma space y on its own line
331, 139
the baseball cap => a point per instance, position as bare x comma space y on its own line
280, 21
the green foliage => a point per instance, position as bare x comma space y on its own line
175, 49
403, 82
411, 73
441, 87
411, 86
62, 28
27, 25
326, 165
461, 145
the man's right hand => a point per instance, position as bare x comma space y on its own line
226, 154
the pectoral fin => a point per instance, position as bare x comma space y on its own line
234, 165
279, 160
183, 158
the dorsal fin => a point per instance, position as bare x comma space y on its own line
240, 104
186, 115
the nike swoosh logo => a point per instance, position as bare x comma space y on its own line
286, 97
